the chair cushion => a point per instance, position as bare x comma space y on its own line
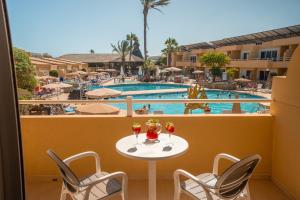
101, 190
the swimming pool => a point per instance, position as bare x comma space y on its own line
141, 86
216, 108
178, 108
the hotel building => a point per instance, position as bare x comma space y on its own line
43, 65
254, 55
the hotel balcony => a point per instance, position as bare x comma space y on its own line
245, 64
260, 63
238, 135
188, 64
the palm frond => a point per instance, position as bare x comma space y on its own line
160, 3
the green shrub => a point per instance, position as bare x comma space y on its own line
24, 70
24, 94
215, 61
216, 71
53, 73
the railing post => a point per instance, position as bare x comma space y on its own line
129, 106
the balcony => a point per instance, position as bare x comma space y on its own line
207, 135
259, 63
188, 64
245, 64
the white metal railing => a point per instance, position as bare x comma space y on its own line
130, 101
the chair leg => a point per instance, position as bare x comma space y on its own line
248, 192
177, 191
208, 194
124, 195
177, 194
63, 194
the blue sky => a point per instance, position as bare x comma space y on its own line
76, 26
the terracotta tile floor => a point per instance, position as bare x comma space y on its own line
43, 190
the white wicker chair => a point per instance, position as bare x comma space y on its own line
232, 184
100, 185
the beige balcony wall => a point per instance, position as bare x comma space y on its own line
251, 64
286, 130
239, 135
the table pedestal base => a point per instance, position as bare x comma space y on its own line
152, 179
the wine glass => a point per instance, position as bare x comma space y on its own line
136, 128
170, 128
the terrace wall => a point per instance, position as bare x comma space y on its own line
286, 111
208, 135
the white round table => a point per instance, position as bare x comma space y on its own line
151, 152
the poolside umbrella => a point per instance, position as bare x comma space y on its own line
198, 72
242, 80
110, 70
82, 73
92, 73
100, 70
122, 71
97, 109
102, 93
173, 69
163, 71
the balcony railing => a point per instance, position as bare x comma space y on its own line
129, 101
265, 59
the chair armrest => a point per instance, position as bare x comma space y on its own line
84, 155
222, 156
180, 172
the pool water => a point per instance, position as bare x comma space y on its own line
178, 108
141, 86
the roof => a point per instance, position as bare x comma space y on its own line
201, 45
155, 58
254, 38
98, 58
260, 37
52, 61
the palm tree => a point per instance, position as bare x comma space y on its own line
122, 48
215, 61
150, 4
132, 39
171, 47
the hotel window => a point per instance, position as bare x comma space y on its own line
268, 54
245, 55
193, 59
